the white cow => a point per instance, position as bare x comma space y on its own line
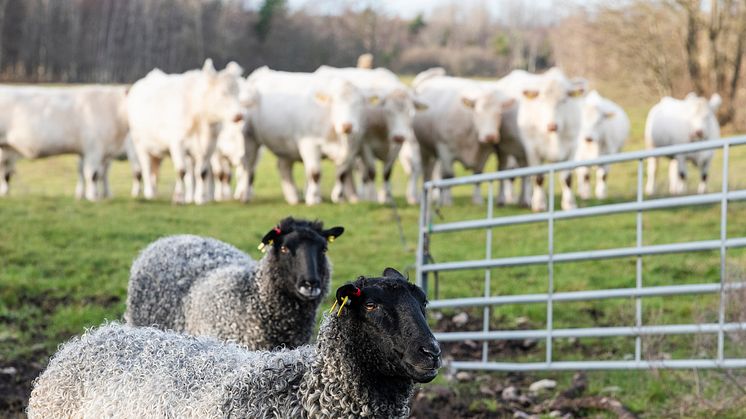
549, 120
461, 123
672, 121
603, 130
305, 117
231, 151
90, 121
180, 115
388, 126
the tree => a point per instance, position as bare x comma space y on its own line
266, 13
715, 43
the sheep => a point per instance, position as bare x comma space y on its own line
368, 356
202, 286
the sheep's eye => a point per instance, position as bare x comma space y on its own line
284, 249
370, 306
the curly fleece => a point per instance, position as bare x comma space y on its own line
203, 286
123, 371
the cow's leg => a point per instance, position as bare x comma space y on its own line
311, 156
650, 184
245, 172
505, 195
538, 197
202, 176
289, 190
7, 164
704, 169
583, 174
568, 198
148, 168
91, 168
445, 161
80, 185
368, 171
386, 194
677, 175
189, 179
214, 181
411, 161
476, 197
180, 161
602, 172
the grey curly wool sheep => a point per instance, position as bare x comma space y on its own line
202, 286
364, 364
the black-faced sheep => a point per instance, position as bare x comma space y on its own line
365, 363
202, 286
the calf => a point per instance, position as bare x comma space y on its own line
603, 130
672, 121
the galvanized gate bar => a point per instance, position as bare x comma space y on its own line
587, 255
610, 209
638, 292
660, 291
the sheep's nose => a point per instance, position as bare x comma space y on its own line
238, 117
433, 350
398, 139
552, 127
490, 138
588, 139
347, 127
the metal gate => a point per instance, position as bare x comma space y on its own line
426, 268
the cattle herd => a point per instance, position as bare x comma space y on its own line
211, 123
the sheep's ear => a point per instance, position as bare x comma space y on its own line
269, 238
393, 273
333, 233
349, 291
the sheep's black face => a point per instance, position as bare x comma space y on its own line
390, 312
299, 249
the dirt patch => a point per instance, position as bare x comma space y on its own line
16, 378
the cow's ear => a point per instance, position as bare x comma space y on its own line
208, 67
234, 69
579, 87
322, 98
530, 94
468, 102
609, 114
375, 100
420, 106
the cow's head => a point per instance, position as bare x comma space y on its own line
546, 99
399, 107
346, 105
701, 114
487, 107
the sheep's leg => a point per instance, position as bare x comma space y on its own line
650, 184
289, 190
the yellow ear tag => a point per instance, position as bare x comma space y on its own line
261, 247
344, 301
330, 239
334, 305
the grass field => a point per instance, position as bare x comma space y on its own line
64, 266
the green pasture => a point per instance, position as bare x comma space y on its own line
64, 264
